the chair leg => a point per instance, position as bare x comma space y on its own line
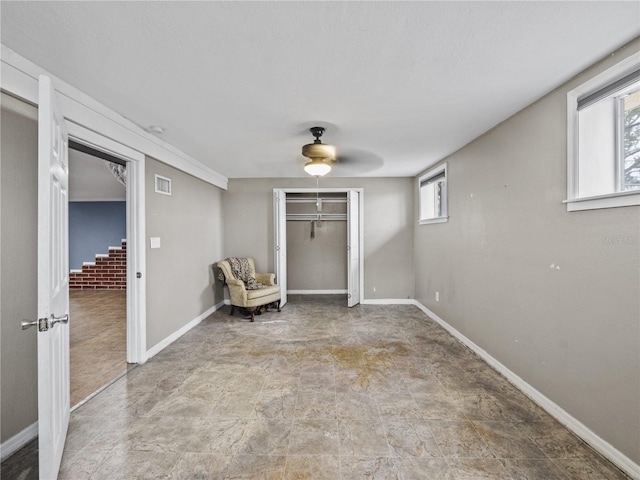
251, 312
278, 305
233, 309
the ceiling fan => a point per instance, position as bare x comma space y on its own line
323, 157
319, 153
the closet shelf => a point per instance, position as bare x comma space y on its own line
310, 217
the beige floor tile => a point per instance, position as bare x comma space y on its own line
316, 404
533, 469
588, 468
125, 465
478, 469
421, 468
201, 465
330, 392
276, 403
356, 405
256, 467
397, 405
440, 405
265, 436
410, 438
316, 467
363, 438
508, 440
314, 437
459, 439
369, 467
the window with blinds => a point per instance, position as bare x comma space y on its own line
433, 195
604, 139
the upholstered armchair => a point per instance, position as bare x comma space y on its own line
251, 300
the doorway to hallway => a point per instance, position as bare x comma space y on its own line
98, 270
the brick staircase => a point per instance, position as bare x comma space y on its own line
108, 272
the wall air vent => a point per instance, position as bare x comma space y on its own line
163, 185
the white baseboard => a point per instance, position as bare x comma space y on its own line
576, 426
388, 301
18, 441
157, 348
316, 292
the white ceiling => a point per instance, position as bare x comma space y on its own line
399, 85
91, 181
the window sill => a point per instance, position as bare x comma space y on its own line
433, 220
621, 199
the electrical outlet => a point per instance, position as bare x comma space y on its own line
437, 296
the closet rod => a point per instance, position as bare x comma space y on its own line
313, 200
308, 217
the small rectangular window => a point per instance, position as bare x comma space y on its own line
433, 195
604, 139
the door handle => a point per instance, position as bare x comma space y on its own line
64, 319
42, 323
45, 324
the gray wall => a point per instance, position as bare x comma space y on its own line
550, 294
180, 284
18, 267
318, 263
388, 227
93, 228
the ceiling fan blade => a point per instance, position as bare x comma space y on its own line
354, 161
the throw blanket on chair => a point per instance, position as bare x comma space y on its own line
241, 269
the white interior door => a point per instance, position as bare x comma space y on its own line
353, 247
53, 283
280, 254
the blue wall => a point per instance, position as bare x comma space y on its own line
93, 227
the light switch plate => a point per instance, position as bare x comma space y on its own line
155, 242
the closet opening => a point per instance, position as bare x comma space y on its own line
318, 242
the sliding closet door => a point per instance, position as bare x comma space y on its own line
280, 254
353, 247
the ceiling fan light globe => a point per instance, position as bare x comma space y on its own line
317, 168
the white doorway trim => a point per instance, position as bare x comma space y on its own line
354, 231
280, 230
136, 287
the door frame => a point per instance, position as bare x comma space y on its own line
136, 253
353, 247
276, 217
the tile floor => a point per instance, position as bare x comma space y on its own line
98, 339
318, 391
